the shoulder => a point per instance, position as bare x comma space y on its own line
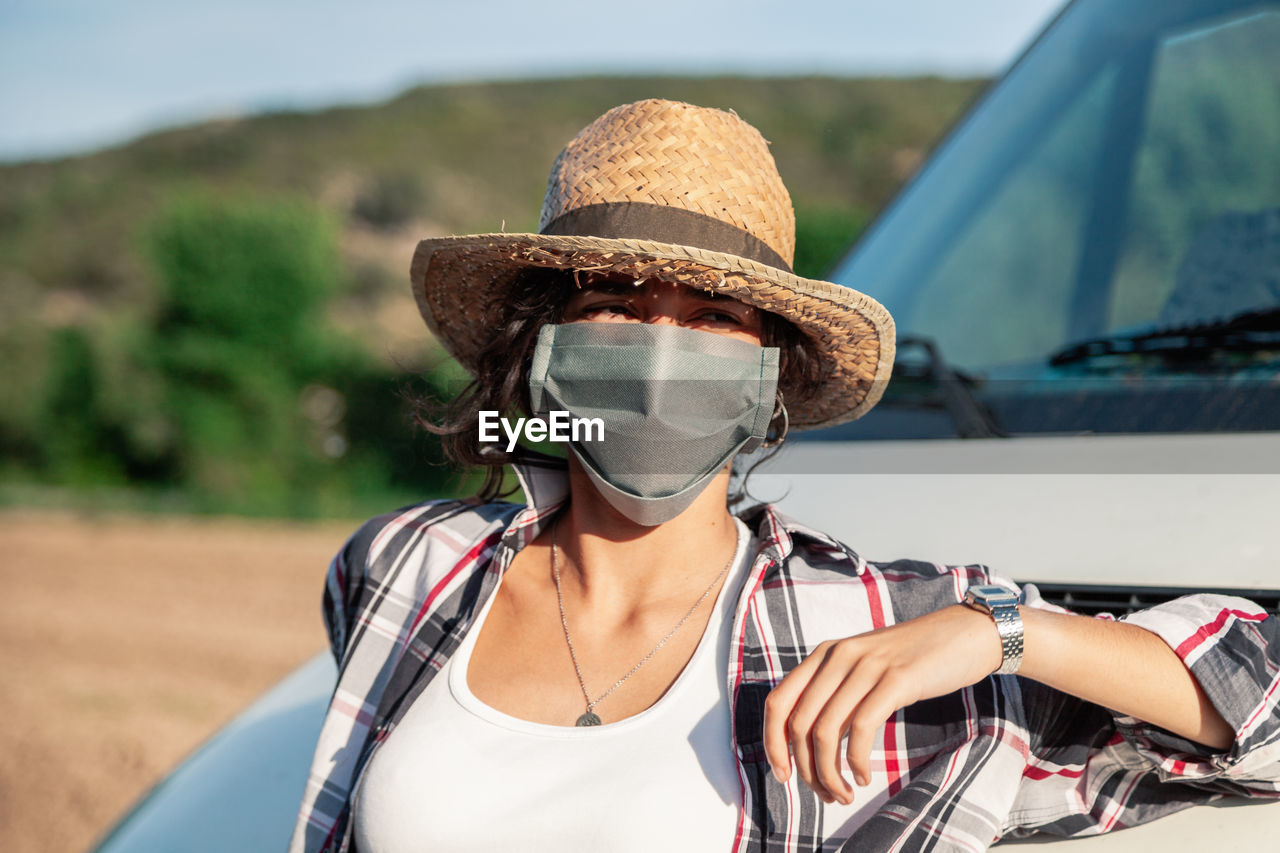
815, 560
428, 536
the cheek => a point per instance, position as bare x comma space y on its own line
750, 336
751, 331
753, 328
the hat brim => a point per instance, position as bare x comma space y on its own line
461, 283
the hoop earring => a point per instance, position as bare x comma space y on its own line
786, 423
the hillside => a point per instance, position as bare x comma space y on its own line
446, 159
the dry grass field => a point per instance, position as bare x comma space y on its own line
125, 642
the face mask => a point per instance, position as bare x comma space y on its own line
676, 404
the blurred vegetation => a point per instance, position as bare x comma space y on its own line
235, 392
217, 317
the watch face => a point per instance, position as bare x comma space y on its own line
992, 595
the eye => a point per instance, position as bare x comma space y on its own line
719, 317
608, 310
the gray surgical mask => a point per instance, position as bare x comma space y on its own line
676, 405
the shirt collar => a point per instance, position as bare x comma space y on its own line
545, 481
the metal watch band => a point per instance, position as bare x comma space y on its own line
1009, 624
1002, 606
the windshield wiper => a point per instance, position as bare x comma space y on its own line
1252, 331
971, 418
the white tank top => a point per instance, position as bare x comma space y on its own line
456, 775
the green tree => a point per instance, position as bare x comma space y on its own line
257, 274
272, 411
239, 335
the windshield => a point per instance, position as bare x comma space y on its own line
1124, 176
1119, 183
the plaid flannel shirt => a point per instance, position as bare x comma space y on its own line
1004, 757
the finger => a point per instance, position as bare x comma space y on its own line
832, 724
883, 700
778, 706
807, 742
800, 734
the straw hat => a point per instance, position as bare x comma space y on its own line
667, 190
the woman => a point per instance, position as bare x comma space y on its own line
624, 664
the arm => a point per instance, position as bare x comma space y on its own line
343, 588
1122, 667
853, 685
1090, 769
349, 585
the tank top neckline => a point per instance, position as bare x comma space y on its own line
460, 662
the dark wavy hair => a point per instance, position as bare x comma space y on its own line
501, 383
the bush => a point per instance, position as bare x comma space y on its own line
257, 273
269, 406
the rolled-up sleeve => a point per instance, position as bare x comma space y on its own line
1091, 770
1232, 647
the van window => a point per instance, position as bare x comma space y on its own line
1121, 180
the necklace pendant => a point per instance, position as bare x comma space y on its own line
588, 719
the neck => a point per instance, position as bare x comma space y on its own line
611, 561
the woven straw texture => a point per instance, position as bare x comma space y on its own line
677, 155
461, 283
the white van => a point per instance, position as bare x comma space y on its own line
1086, 282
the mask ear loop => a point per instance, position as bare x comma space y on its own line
779, 407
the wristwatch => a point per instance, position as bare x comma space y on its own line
1002, 606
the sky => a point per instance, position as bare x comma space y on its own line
76, 75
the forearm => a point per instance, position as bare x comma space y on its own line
1122, 667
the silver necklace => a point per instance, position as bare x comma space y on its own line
590, 718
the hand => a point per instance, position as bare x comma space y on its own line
853, 685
